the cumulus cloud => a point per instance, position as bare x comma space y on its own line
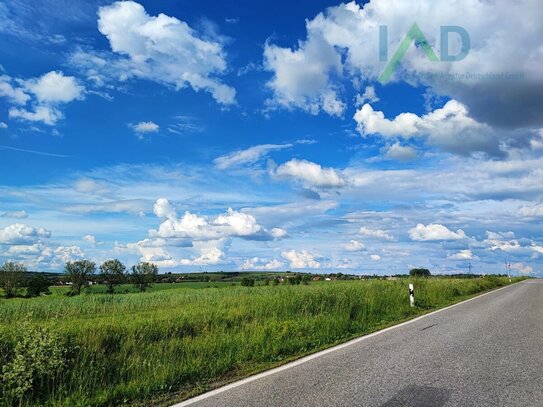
375, 233
278, 233
400, 153
449, 128
434, 232
54, 87
461, 255
343, 40
522, 268
355, 246
375, 257
39, 99
21, 234
369, 95
301, 260
300, 77
250, 155
164, 209
10, 90
310, 174
257, 263
160, 48
201, 228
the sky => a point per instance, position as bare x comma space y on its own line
206, 136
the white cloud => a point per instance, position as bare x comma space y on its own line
12, 91
49, 91
3, 125
278, 233
465, 254
522, 268
68, 253
90, 239
250, 155
450, 128
199, 228
310, 174
344, 41
21, 234
301, 260
45, 114
54, 87
145, 127
160, 48
211, 255
401, 153
164, 209
375, 257
534, 211
257, 263
300, 77
375, 233
355, 246
434, 232
14, 214
369, 95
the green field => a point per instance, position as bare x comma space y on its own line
174, 342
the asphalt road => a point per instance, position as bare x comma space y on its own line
484, 352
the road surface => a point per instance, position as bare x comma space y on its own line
487, 351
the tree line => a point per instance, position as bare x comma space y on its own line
79, 273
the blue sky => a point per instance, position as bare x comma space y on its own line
242, 136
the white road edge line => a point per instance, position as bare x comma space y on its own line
324, 352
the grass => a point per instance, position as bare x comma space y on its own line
173, 343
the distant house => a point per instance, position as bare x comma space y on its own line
328, 279
316, 278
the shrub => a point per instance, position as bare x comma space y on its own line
247, 282
39, 355
37, 286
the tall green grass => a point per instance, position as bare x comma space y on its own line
139, 347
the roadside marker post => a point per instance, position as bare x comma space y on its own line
411, 295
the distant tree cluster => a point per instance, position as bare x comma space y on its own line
80, 274
112, 274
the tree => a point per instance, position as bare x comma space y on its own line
143, 275
78, 273
37, 285
112, 273
247, 282
11, 278
419, 272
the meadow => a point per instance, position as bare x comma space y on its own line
173, 343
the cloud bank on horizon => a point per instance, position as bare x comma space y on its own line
227, 139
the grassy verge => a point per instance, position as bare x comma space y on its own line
131, 348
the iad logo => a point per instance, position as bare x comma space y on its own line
415, 35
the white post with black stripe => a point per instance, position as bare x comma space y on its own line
411, 295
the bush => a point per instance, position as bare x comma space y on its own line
37, 286
38, 356
247, 282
